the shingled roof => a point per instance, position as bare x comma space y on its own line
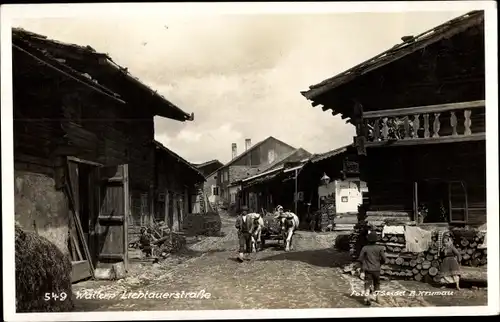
409, 45
97, 70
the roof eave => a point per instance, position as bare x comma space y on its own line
164, 108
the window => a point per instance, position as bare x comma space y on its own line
226, 176
271, 156
215, 191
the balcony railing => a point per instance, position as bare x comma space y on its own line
452, 122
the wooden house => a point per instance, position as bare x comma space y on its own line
210, 189
303, 178
83, 137
209, 167
270, 186
419, 113
248, 163
177, 187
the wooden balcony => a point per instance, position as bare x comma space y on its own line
445, 123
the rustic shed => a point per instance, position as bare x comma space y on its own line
419, 112
177, 186
84, 166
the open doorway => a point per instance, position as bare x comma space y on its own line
433, 195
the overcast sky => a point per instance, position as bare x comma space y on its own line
242, 75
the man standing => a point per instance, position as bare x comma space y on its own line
243, 234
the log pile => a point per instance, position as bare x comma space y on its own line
358, 238
208, 224
326, 215
467, 243
172, 243
420, 266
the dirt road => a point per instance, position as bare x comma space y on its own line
211, 278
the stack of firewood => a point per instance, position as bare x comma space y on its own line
172, 243
358, 238
425, 265
467, 242
208, 224
326, 216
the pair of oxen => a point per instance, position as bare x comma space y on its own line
289, 222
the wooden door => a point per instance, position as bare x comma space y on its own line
458, 202
114, 209
82, 267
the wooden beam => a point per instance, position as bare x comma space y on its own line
445, 139
425, 109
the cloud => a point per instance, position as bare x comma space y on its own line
242, 75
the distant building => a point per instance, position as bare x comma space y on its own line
208, 167
248, 163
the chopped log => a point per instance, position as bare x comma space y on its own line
420, 260
424, 272
475, 262
433, 251
462, 251
426, 264
413, 263
474, 275
419, 266
397, 249
429, 257
433, 271
435, 263
466, 257
473, 245
385, 239
394, 239
464, 242
436, 256
484, 252
418, 277
483, 261
415, 271
401, 240
470, 251
436, 279
399, 261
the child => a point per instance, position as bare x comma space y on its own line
371, 257
450, 267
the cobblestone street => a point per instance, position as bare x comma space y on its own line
307, 277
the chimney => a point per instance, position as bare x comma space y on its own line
248, 144
233, 150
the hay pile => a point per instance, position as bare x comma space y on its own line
41, 268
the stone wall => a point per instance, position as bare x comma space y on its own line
40, 207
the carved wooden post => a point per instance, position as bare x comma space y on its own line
416, 125
385, 129
376, 130
407, 127
426, 126
467, 122
453, 123
361, 128
436, 125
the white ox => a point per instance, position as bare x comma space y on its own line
289, 223
255, 224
